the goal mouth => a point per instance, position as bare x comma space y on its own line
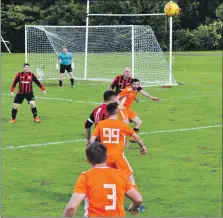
102, 56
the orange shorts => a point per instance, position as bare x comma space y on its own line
123, 165
127, 113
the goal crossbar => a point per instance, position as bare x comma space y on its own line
126, 15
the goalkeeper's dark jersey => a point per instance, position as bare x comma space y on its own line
25, 81
119, 83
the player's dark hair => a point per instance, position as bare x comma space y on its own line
112, 109
26, 64
108, 95
96, 153
135, 80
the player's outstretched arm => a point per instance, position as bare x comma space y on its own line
143, 149
73, 204
146, 94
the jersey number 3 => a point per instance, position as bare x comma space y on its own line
111, 197
111, 135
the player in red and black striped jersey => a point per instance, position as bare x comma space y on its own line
99, 113
25, 80
122, 81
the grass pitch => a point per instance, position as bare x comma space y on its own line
181, 175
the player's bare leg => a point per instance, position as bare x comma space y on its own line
14, 112
138, 124
132, 181
34, 111
71, 79
61, 80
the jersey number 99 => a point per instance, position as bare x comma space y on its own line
111, 135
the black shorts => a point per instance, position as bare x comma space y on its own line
20, 97
65, 67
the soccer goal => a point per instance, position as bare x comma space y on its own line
100, 56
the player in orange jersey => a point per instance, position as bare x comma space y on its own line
103, 188
126, 99
112, 133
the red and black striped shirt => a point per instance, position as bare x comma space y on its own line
119, 83
25, 81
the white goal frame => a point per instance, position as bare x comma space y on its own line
169, 80
88, 15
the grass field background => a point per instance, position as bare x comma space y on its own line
181, 175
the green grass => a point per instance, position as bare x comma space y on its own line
181, 175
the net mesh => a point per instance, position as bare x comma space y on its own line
110, 50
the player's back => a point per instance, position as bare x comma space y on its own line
106, 189
112, 134
100, 113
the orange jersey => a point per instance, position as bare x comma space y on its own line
127, 96
105, 189
112, 134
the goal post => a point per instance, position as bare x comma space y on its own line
171, 81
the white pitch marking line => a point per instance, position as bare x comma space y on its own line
43, 144
84, 140
181, 130
98, 103
63, 99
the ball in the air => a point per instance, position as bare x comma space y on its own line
171, 9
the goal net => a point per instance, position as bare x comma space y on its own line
109, 50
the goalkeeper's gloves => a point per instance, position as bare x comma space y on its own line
44, 92
72, 66
57, 66
12, 94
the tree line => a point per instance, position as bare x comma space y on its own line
198, 27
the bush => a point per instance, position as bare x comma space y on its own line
219, 12
183, 40
208, 37
204, 38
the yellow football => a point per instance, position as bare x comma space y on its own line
171, 9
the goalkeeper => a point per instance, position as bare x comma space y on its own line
66, 63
